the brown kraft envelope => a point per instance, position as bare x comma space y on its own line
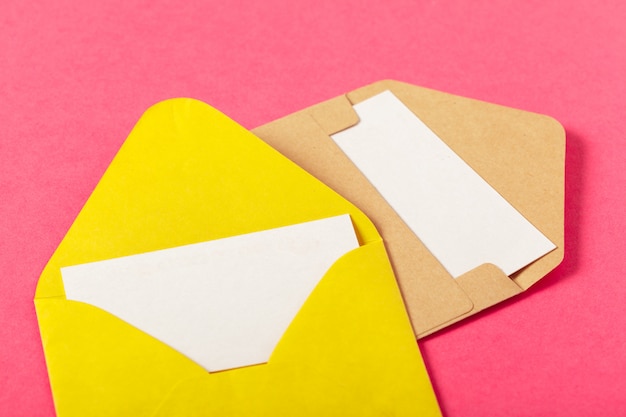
520, 154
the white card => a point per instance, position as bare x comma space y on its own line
458, 216
224, 303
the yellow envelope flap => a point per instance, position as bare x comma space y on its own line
187, 174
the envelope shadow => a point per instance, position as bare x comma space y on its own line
575, 188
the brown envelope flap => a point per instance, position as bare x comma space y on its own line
519, 153
486, 287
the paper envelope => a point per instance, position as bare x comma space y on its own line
189, 174
520, 154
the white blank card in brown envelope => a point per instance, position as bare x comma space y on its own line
471, 215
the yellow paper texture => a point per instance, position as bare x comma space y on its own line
188, 174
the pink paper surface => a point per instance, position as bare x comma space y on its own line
75, 76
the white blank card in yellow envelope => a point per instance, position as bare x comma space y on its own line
188, 175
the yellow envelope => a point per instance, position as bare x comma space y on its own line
189, 174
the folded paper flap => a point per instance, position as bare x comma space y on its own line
370, 90
487, 285
334, 115
189, 150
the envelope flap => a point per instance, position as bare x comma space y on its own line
334, 115
518, 153
486, 285
217, 180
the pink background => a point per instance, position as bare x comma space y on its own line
74, 78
